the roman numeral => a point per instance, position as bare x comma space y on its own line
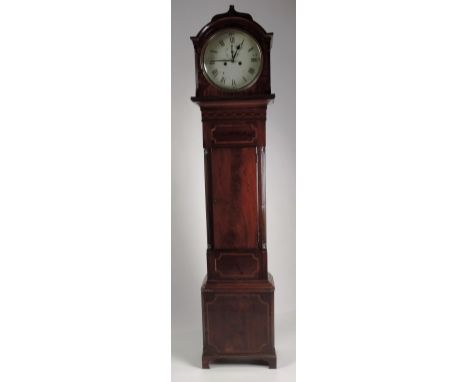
233, 83
251, 71
250, 49
245, 79
223, 80
213, 51
221, 42
254, 59
215, 72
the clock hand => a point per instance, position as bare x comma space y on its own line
237, 50
232, 54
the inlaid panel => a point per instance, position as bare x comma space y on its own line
236, 265
234, 197
238, 323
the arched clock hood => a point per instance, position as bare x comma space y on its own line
243, 21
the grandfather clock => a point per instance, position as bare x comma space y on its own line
232, 70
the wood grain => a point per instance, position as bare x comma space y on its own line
234, 190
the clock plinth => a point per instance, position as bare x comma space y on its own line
238, 291
238, 322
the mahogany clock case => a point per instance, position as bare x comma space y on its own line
238, 303
238, 292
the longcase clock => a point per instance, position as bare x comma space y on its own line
232, 70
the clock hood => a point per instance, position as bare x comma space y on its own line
245, 22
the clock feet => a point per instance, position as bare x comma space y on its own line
254, 359
272, 363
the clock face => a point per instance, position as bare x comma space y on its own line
231, 60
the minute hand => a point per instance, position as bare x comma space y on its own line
237, 49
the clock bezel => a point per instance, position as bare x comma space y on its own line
202, 60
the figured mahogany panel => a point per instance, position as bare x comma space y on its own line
234, 197
238, 323
237, 265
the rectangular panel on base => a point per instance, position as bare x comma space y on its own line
248, 264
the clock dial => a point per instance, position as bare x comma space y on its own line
231, 60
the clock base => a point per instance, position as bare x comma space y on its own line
258, 359
238, 322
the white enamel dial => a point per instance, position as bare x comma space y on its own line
231, 59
